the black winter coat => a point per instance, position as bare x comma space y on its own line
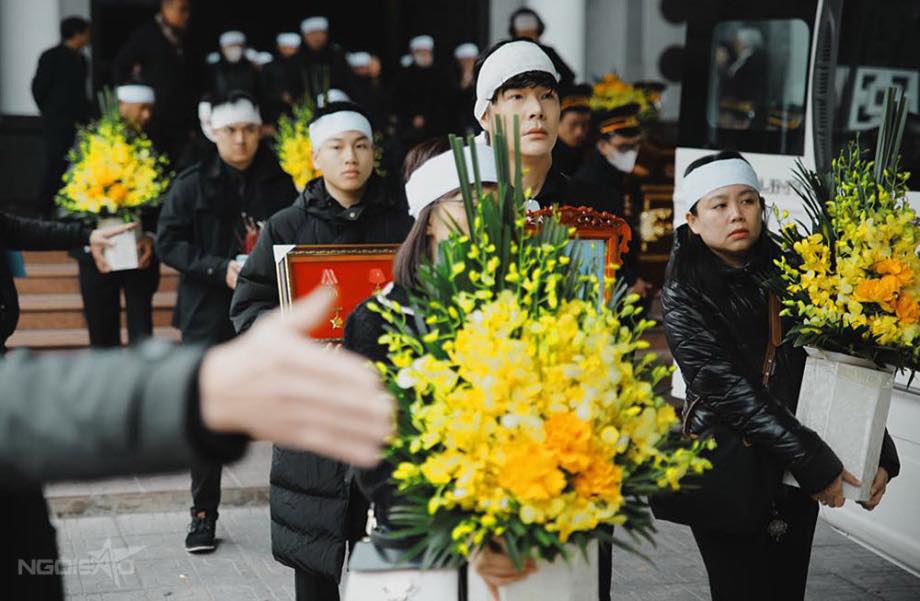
174, 75
18, 233
200, 232
226, 77
719, 338
322, 70
316, 508
59, 90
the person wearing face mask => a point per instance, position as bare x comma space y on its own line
608, 170
421, 95
574, 128
518, 79
201, 232
717, 315
233, 72
314, 515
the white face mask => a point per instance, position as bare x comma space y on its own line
233, 54
624, 161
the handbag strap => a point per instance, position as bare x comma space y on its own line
774, 339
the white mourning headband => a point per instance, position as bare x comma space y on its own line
232, 38
358, 59
468, 50
421, 42
526, 22
135, 94
288, 39
314, 24
331, 125
228, 113
438, 175
511, 59
717, 174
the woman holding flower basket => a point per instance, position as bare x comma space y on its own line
528, 423
723, 328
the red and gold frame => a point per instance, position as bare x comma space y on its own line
591, 225
357, 271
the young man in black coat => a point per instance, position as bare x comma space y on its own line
233, 71
315, 505
100, 287
203, 226
59, 90
158, 52
422, 95
322, 63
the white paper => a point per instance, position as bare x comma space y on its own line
847, 405
122, 255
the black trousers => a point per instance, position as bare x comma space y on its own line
206, 477
102, 305
755, 567
29, 547
308, 587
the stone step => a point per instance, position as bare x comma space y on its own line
59, 278
46, 256
65, 311
71, 338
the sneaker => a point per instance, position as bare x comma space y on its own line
200, 537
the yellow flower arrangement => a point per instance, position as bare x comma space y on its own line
292, 143
611, 91
528, 408
851, 283
113, 170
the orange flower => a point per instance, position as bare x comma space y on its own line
529, 472
881, 291
601, 479
117, 192
895, 268
569, 439
907, 309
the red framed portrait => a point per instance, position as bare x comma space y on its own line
357, 271
603, 237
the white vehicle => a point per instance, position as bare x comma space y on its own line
796, 79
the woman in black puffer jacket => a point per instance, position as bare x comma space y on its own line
716, 321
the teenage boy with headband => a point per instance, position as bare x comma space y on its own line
314, 500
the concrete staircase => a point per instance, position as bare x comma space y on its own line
51, 308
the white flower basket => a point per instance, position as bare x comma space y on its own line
575, 580
845, 400
122, 255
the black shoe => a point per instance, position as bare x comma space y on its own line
200, 537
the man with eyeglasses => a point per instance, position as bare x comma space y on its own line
211, 208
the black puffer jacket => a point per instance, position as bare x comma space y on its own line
718, 337
315, 505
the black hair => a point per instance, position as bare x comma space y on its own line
527, 79
541, 27
72, 26
693, 263
414, 251
232, 96
335, 107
